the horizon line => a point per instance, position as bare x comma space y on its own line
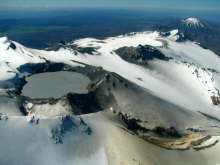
103, 7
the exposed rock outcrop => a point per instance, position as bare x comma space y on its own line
140, 54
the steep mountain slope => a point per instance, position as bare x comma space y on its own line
149, 88
192, 23
206, 34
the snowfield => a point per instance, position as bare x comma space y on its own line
189, 79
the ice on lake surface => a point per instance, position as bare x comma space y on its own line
55, 84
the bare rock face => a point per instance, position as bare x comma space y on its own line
168, 138
12, 45
140, 54
215, 100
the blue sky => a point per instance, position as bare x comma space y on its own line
173, 4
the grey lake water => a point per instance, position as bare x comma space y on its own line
55, 84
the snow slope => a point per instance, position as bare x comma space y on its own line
26, 141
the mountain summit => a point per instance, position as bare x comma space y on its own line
192, 23
205, 33
193, 26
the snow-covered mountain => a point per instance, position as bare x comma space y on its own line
146, 87
193, 23
193, 28
205, 33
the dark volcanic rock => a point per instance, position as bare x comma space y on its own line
135, 126
43, 67
140, 54
84, 103
215, 100
73, 47
62, 42
88, 50
12, 45
132, 124
167, 132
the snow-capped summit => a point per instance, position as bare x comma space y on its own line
193, 22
